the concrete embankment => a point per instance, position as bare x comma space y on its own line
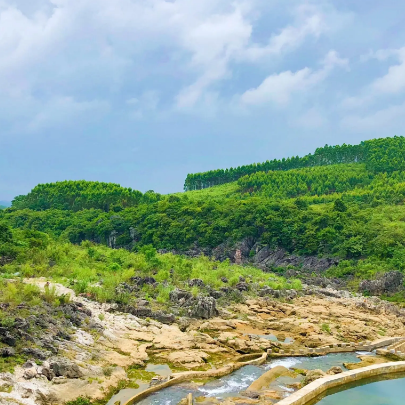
318, 387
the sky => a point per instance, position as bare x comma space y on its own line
142, 92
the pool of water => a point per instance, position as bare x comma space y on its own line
370, 392
232, 384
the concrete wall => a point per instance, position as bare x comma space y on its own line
313, 390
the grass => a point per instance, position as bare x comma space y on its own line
220, 191
97, 271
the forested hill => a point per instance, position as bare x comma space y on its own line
351, 213
79, 195
380, 155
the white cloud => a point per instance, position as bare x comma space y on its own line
309, 21
227, 38
279, 88
387, 119
91, 49
394, 81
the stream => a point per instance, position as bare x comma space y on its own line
232, 384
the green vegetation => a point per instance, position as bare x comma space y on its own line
78, 195
98, 271
380, 155
322, 156
342, 201
24, 306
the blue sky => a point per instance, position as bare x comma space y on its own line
142, 92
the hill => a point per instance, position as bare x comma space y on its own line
380, 155
341, 215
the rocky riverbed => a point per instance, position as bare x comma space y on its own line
97, 347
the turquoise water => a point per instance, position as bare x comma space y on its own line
388, 392
232, 384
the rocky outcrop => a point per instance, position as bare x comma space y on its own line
204, 308
267, 258
388, 283
313, 375
201, 307
250, 251
265, 379
62, 367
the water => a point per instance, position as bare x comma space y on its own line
124, 395
386, 392
232, 384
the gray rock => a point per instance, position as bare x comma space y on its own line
204, 308
36, 353
65, 368
179, 296
7, 352
162, 317
47, 372
389, 283
142, 303
242, 286
141, 312
7, 338
215, 294
196, 282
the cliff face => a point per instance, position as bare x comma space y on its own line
262, 256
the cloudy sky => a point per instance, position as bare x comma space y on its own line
142, 92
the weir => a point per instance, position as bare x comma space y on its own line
307, 393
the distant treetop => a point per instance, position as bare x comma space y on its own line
380, 155
78, 195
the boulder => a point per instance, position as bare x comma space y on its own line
7, 338
36, 353
242, 286
7, 352
163, 317
204, 308
30, 370
389, 283
313, 375
196, 282
265, 379
334, 370
65, 368
180, 297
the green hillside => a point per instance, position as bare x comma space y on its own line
379, 155
346, 203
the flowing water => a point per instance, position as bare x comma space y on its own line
232, 384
